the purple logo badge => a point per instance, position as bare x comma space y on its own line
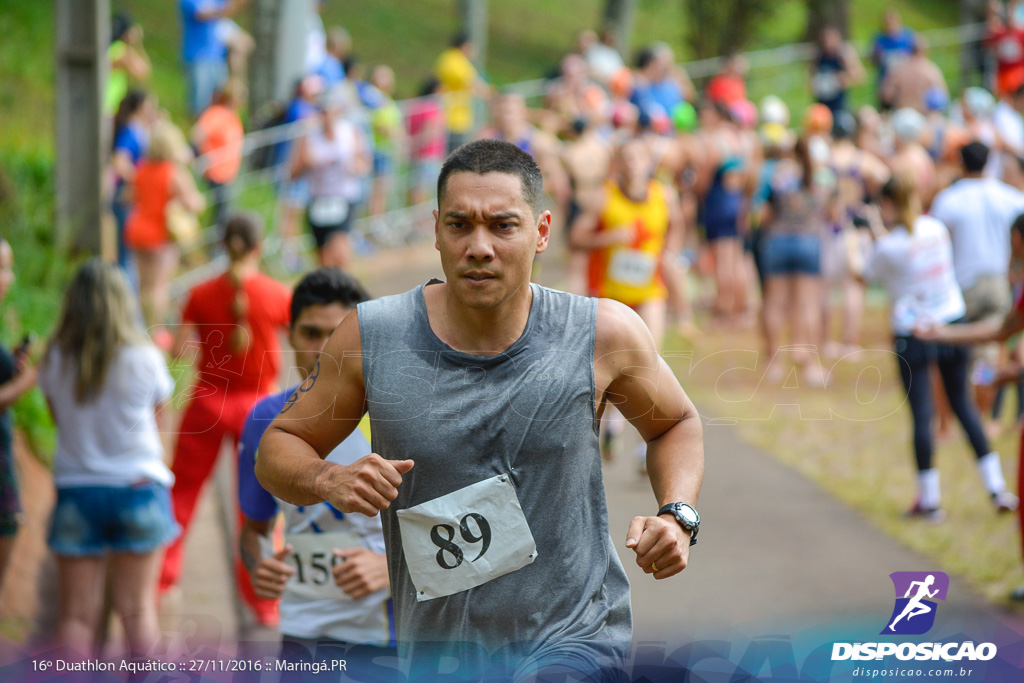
914, 611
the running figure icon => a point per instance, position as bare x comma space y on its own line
916, 607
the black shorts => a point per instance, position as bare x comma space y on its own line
322, 232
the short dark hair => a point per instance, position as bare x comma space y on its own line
324, 286
120, 24
243, 232
644, 57
429, 87
495, 156
459, 39
974, 156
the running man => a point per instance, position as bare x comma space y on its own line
916, 607
331, 576
484, 394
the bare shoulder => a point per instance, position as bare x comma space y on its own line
343, 352
620, 331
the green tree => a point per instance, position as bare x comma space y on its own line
822, 13
717, 27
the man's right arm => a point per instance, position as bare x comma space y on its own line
319, 414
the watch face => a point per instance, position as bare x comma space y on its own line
688, 514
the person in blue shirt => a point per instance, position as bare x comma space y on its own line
331, 575
893, 45
332, 70
202, 51
135, 115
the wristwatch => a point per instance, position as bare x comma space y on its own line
686, 515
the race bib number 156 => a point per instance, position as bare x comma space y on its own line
466, 538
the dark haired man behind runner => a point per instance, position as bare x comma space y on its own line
484, 394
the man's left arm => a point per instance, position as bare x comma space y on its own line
640, 384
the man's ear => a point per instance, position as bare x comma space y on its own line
437, 226
543, 231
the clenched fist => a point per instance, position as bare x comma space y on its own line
367, 485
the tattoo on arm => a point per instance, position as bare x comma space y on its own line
248, 559
302, 388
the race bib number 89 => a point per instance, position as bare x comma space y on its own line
466, 538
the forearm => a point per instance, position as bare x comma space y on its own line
594, 239
11, 391
675, 461
971, 333
290, 468
250, 544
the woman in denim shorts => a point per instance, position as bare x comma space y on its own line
792, 221
105, 383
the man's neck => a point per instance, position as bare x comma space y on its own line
483, 332
635, 188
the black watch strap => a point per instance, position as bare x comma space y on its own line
670, 508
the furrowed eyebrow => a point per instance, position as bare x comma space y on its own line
490, 217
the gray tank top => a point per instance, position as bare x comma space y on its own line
528, 412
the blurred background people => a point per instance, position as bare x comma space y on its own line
835, 69
17, 376
792, 222
105, 383
336, 159
162, 180
219, 137
913, 259
234, 319
129, 63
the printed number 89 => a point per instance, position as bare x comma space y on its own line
447, 545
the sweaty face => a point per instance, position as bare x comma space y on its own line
311, 330
488, 236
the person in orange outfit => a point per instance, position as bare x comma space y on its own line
160, 178
218, 135
233, 320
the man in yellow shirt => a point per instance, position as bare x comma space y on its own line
628, 229
459, 79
